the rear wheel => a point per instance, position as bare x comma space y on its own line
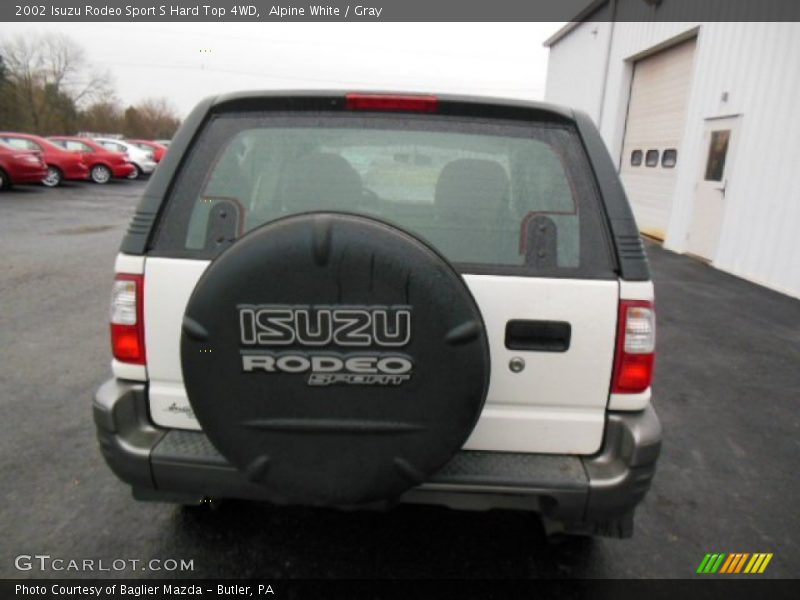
5, 181
54, 176
100, 174
136, 173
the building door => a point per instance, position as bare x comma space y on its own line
709, 197
653, 131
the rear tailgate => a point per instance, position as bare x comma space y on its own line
510, 201
556, 404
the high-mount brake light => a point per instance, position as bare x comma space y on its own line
392, 102
636, 339
127, 319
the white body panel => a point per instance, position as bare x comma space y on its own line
555, 405
168, 284
636, 290
129, 263
128, 371
740, 68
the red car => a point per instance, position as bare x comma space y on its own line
61, 164
103, 163
158, 150
20, 166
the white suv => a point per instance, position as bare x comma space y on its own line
345, 300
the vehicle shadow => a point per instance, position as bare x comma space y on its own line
22, 190
249, 539
34, 189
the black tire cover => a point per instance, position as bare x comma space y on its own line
356, 435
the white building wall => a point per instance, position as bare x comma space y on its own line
575, 71
758, 65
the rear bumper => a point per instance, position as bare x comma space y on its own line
585, 494
122, 170
147, 166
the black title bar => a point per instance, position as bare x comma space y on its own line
398, 10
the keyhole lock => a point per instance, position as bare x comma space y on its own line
516, 364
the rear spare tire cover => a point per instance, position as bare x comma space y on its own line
334, 359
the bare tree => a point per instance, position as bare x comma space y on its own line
152, 118
42, 68
48, 86
8, 104
70, 72
103, 117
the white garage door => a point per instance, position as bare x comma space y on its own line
653, 130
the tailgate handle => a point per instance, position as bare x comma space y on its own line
538, 336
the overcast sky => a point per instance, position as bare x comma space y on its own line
165, 59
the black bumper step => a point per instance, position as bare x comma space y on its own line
468, 468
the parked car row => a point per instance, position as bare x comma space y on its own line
26, 158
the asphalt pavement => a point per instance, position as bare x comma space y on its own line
727, 390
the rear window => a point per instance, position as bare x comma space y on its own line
114, 147
492, 196
22, 144
77, 146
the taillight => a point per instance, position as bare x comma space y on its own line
127, 319
636, 341
391, 102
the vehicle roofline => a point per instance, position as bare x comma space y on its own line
222, 100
